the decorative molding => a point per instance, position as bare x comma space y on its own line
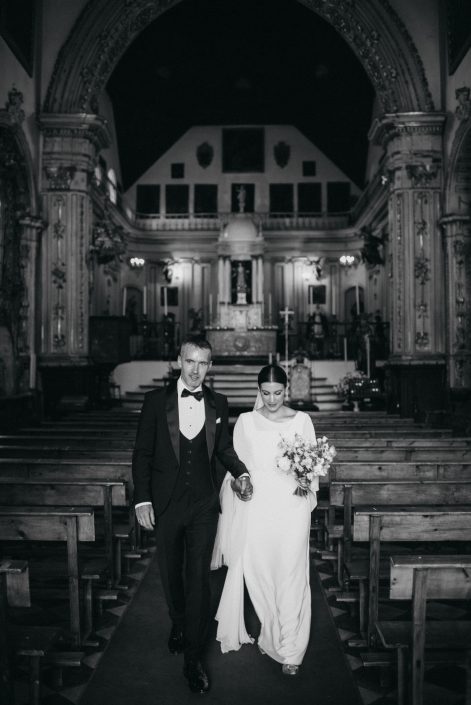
106, 28
60, 177
13, 106
463, 110
204, 154
76, 126
282, 153
406, 124
423, 173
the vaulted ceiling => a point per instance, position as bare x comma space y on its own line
240, 62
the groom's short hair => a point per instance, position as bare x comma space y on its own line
196, 342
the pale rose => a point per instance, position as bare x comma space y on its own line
284, 464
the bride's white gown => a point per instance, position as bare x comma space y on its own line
266, 542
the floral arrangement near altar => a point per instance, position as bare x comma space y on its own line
356, 385
305, 460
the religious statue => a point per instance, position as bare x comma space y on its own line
241, 196
241, 285
318, 331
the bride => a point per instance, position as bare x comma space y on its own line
265, 542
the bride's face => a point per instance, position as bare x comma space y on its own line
273, 395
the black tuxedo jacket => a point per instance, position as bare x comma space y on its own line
156, 456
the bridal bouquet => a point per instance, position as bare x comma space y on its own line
305, 460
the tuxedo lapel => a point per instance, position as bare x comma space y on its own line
210, 422
171, 408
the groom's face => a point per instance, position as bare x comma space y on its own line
194, 364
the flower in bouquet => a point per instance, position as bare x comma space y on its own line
305, 459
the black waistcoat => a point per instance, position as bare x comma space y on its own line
195, 471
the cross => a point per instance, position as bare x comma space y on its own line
285, 314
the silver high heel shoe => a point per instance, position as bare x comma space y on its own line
289, 669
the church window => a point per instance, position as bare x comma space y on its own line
177, 170
309, 198
338, 197
148, 199
243, 149
309, 168
281, 198
206, 199
177, 199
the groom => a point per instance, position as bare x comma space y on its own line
182, 430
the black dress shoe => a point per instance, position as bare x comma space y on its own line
197, 677
176, 640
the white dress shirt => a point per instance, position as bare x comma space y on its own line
191, 413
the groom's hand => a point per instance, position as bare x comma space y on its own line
242, 486
145, 516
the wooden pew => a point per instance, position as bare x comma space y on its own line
420, 578
67, 524
89, 442
349, 493
78, 469
31, 642
402, 524
92, 492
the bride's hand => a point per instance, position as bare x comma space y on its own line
242, 486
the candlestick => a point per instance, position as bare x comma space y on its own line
210, 308
357, 299
144, 300
32, 370
345, 349
269, 309
270, 358
125, 292
367, 344
165, 301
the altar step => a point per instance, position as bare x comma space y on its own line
239, 384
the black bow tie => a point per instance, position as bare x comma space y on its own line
197, 395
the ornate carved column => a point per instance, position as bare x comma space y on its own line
457, 233
413, 145
71, 143
32, 227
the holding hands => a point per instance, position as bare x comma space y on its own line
243, 488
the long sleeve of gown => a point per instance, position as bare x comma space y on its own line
228, 550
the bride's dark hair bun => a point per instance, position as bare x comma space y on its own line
272, 373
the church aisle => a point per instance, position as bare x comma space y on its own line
137, 667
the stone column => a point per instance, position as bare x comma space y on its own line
71, 144
457, 233
413, 145
227, 279
28, 339
221, 288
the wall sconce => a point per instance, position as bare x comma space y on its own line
137, 262
347, 261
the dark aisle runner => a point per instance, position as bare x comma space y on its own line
137, 668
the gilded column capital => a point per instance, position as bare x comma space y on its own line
404, 127
71, 143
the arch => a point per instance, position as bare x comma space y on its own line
106, 28
457, 188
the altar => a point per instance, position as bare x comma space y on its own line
240, 331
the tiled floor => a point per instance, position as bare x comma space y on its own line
443, 685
